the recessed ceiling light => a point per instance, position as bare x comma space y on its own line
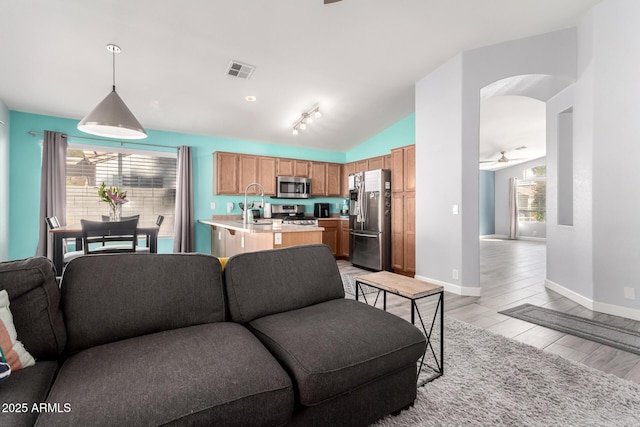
250, 98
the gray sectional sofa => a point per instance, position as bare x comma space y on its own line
152, 339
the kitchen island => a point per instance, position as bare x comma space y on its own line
231, 236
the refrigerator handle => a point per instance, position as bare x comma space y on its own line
374, 236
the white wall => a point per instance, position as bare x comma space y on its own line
612, 94
570, 248
4, 182
502, 199
439, 173
447, 133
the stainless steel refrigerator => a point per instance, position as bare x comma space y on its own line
370, 219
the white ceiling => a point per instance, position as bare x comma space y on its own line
357, 59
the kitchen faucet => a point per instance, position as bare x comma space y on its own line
245, 220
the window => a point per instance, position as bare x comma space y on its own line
532, 195
149, 178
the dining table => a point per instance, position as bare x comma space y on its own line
74, 231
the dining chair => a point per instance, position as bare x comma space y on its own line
109, 236
54, 223
122, 218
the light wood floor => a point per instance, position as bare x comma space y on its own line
513, 273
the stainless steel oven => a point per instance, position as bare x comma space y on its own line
293, 187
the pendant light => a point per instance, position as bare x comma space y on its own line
111, 117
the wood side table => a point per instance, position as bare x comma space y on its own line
412, 290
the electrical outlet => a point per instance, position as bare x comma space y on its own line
213, 206
629, 293
454, 274
455, 209
277, 238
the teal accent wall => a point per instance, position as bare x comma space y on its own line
487, 203
397, 135
26, 154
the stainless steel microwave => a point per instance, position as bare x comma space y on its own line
293, 187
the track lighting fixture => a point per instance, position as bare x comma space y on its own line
306, 118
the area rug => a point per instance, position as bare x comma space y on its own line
492, 380
349, 283
614, 336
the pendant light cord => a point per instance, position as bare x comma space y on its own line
113, 54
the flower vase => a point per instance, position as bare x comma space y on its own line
115, 213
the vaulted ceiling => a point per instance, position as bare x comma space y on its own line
357, 59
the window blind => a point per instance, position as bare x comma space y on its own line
148, 177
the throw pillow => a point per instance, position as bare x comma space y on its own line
223, 261
16, 355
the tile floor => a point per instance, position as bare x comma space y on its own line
513, 273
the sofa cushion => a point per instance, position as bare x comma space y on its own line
35, 305
273, 281
24, 389
13, 352
333, 347
213, 374
111, 297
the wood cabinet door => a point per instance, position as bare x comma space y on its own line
362, 165
409, 167
318, 179
333, 180
226, 173
397, 170
267, 174
409, 232
387, 161
347, 169
247, 172
397, 231
344, 238
330, 234
375, 163
284, 167
301, 168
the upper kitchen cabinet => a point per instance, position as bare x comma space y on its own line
362, 165
347, 169
318, 179
333, 180
403, 169
225, 173
375, 163
247, 172
267, 174
292, 167
325, 179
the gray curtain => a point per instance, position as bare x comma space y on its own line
513, 208
53, 190
184, 228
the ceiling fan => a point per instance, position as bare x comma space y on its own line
331, 1
503, 158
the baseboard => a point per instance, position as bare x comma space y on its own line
601, 307
505, 237
466, 291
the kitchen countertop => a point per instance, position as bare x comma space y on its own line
346, 218
237, 225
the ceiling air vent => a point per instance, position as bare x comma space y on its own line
240, 70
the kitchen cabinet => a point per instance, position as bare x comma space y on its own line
293, 167
330, 234
267, 174
347, 169
343, 239
375, 163
333, 180
318, 179
247, 172
362, 165
387, 161
225, 173
403, 210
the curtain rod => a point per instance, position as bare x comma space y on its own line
34, 133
